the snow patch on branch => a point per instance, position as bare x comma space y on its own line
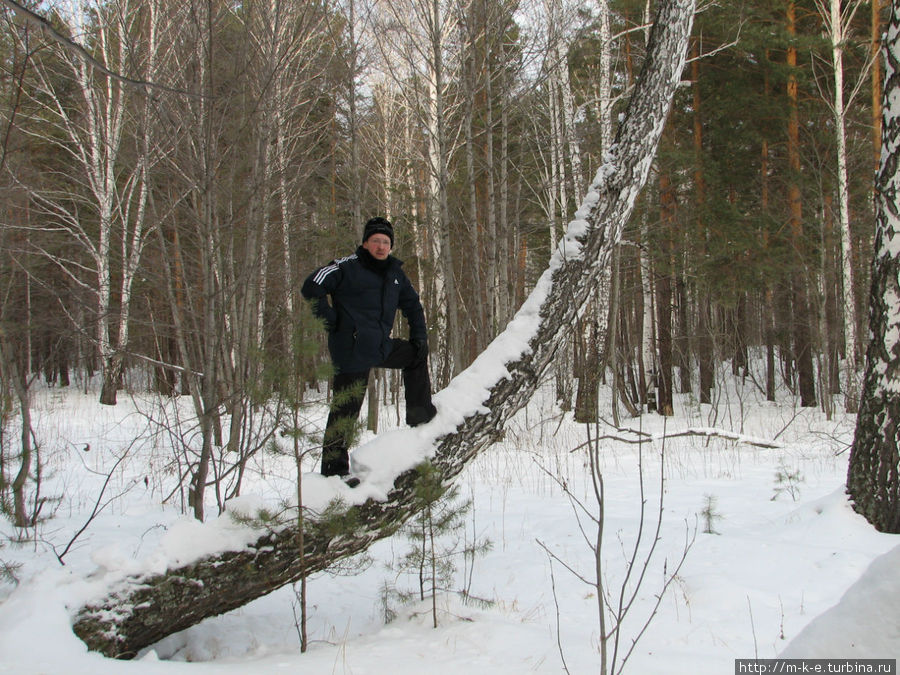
188, 540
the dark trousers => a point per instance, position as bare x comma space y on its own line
348, 391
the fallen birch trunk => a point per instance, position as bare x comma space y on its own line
144, 610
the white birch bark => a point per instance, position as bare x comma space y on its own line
472, 193
412, 184
133, 238
836, 21
604, 84
417, 37
568, 121
873, 476
607, 312
647, 359
92, 137
554, 152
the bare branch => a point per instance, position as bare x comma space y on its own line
708, 432
99, 505
43, 25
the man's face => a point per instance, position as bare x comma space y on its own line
379, 245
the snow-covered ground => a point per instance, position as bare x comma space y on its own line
770, 578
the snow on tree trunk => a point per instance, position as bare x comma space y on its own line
141, 611
873, 479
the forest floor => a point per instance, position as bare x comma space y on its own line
772, 544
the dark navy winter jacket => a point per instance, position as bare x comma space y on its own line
364, 302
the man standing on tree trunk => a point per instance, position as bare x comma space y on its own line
366, 290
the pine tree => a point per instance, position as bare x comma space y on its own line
434, 533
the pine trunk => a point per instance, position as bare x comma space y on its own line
664, 400
704, 343
801, 315
705, 347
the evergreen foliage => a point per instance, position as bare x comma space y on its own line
787, 482
434, 534
710, 514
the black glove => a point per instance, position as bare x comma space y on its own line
325, 313
421, 348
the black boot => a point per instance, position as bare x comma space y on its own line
420, 414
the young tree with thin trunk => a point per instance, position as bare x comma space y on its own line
15, 377
664, 268
837, 20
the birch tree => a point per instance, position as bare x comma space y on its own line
837, 19
92, 137
249, 136
417, 52
873, 476
565, 176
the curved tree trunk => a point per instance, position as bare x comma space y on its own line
144, 610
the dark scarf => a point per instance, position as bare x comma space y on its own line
372, 263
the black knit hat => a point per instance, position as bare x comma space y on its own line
378, 225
